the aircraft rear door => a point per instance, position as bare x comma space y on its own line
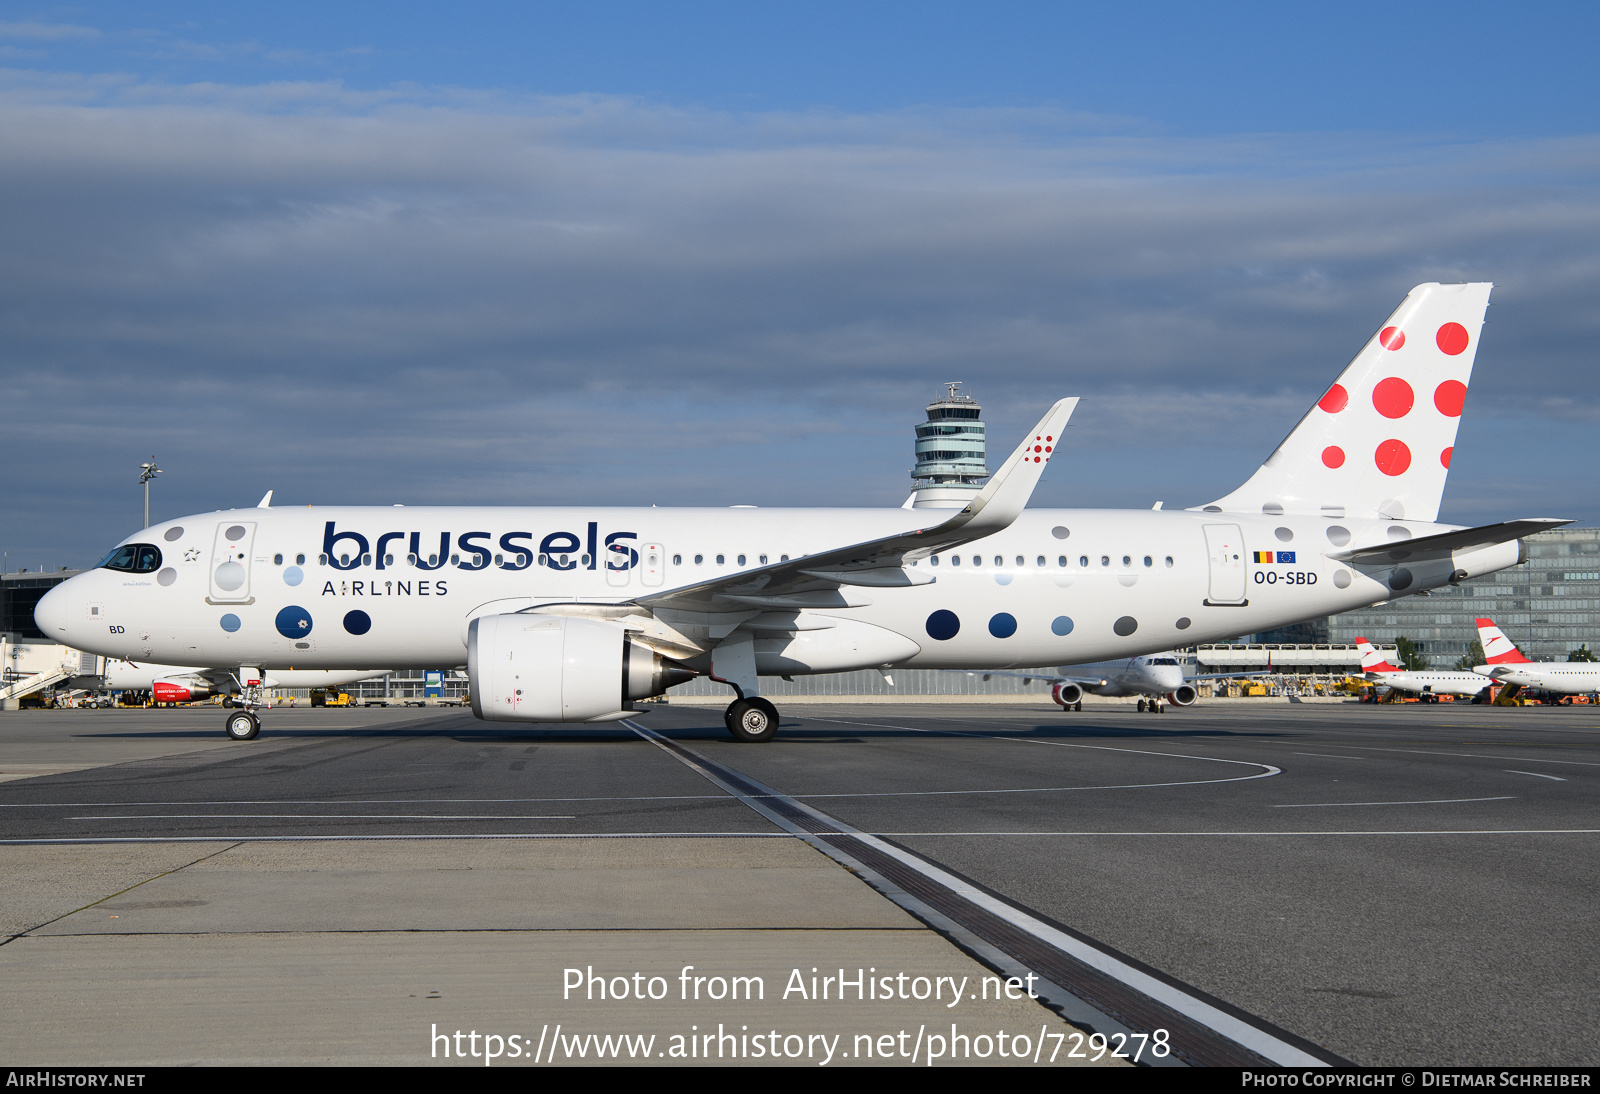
1225, 545
230, 563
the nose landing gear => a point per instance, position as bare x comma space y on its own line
242, 724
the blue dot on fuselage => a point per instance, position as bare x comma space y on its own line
943, 625
293, 622
1003, 625
230, 622
1061, 625
293, 575
357, 622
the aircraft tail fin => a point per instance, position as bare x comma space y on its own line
1373, 660
1497, 648
1379, 443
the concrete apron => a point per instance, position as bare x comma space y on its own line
380, 951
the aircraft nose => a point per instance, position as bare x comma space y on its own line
51, 614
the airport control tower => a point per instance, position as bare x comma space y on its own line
950, 452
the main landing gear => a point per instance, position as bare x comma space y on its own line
1153, 706
751, 720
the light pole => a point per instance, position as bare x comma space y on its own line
148, 471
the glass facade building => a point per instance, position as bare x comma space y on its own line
1548, 606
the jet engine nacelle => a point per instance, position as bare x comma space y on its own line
1066, 694
1184, 696
552, 668
164, 691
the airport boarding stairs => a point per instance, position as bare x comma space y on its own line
27, 667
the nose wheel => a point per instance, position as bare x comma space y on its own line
752, 720
242, 725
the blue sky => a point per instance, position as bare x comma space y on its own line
691, 253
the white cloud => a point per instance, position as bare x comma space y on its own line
425, 294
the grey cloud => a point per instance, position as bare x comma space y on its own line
430, 296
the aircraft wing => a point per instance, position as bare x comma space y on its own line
1445, 544
882, 562
1052, 678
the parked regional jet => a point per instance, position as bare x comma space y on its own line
572, 614
178, 684
1506, 665
1156, 679
1428, 683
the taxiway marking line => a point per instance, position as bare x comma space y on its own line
1234, 1028
1431, 801
236, 838
1000, 736
1480, 756
317, 816
1537, 775
1330, 756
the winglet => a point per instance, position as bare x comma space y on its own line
266, 501
1002, 500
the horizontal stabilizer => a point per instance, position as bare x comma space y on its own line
1446, 544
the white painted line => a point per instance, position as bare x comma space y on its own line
1267, 772
1311, 832
1480, 756
315, 816
1330, 756
1259, 1041
1537, 775
253, 838
1430, 801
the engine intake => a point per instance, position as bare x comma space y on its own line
552, 668
1066, 694
1184, 696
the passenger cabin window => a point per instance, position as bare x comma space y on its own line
277, 560
1083, 560
677, 560
299, 560
1041, 561
1169, 562
135, 558
1148, 561
720, 560
698, 559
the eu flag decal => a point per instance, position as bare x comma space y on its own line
1264, 557
1286, 556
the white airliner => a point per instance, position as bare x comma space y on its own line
1506, 665
1428, 683
1156, 679
572, 614
184, 684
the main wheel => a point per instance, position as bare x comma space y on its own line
1078, 706
1158, 708
1141, 706
242, 726
752, 720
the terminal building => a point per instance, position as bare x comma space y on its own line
1549, 606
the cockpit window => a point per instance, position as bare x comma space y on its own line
134, 558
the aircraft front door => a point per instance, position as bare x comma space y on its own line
230, 563
1225, 545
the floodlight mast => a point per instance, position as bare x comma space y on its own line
148, 471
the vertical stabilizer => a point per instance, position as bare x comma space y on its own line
1379, 443
1372, 660
1497, 648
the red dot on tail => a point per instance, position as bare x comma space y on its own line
1444, 457
1452, 338
1393, 457
1449, 397
1036, 459
1336, 399
1393, 397
1047, 448
1049, 438
1333, 456
1038, 448
1392, 338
